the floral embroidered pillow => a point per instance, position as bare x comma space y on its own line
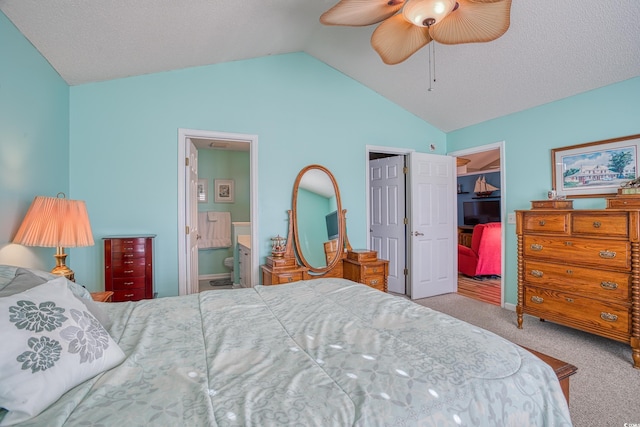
50, 344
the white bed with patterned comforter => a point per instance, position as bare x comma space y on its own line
326, 352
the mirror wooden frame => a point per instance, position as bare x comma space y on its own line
341, 235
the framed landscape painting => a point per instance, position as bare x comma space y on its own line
595, 169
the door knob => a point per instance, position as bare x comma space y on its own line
417, 233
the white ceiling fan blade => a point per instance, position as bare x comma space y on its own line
473, 22
360, 12
396, 39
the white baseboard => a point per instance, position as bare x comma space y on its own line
510, 306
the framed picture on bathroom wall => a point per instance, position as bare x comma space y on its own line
203, 191
223, 191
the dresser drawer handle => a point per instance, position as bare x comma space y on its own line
542, 222
609, 285
537, 299
569, 271
374, 282
128, 295
537, 273
128, 262
568, 243
608, 317
536, 247
129, 283
128, 255
607, 254
596, 224
569, 299
128, 271
289, 279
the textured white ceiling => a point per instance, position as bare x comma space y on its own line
553, 49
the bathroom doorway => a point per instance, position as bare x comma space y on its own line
213, 186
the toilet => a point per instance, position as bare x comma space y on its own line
228, 262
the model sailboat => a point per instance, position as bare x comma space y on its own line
482, 188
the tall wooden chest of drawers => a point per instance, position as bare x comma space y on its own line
581, 268
128, 267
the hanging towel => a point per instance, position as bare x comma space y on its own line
214, 229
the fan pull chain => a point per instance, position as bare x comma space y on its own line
432, 65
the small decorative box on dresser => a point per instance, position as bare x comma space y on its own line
363, 266
581, 268
128, 267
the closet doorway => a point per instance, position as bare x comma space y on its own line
197, 140
410, 199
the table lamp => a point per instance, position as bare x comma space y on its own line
56, 222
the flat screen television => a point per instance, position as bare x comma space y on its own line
481, 211
332, 225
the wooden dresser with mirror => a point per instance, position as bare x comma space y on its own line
317, 245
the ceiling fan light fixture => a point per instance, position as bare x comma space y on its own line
426, 13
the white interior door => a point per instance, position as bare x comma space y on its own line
433, 221
192, 219
388, 230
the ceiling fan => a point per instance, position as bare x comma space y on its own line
408, 25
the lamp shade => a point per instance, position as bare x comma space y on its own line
55, 222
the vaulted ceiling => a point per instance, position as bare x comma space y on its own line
552, 50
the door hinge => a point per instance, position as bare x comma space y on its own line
406, 271
406, 221
186, 161
405, 170
186, 229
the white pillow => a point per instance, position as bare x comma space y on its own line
50, 344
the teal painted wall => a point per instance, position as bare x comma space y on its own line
609, 112
219, 164
124, 145
34, 141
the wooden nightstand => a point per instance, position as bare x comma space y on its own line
102, 296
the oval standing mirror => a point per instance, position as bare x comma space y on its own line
317, 219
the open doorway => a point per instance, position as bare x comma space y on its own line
223, 222
480, 191
187, 221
